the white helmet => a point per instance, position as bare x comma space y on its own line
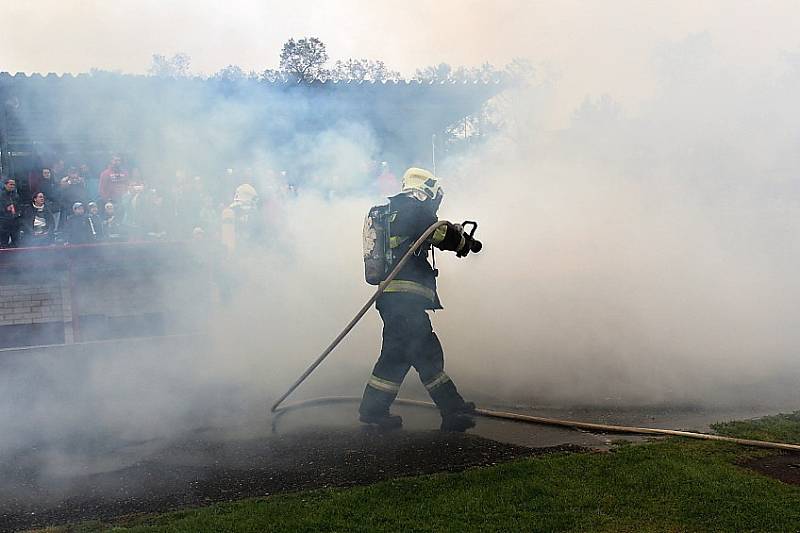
422, 184
245, 196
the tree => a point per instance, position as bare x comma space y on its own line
271, 75
443, 72
363, 70
176, 66
230, 73
304, 59
440, 72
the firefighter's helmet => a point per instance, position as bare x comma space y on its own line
421, 183
245, 196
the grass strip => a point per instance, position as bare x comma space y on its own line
778, 428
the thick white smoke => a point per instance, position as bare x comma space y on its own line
642, 257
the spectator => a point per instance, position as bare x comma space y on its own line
131, 204
112, 226
38, 222
79, 228
113, 181
43, 181
156, 221
108, 211
91, 180
9, 214
58, 167
73, 187
95, 221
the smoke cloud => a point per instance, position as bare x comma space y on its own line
638, 256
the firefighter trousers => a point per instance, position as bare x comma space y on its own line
408, 341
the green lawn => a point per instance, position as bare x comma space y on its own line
781, 428
670, 485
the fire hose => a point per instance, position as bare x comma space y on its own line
488, 413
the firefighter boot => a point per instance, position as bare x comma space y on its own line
456, 413
374, 409
457, 422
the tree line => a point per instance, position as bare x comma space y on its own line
307, 59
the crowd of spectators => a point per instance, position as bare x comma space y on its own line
66, 205
119, 206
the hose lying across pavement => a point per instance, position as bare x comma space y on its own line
488, 413
528, 419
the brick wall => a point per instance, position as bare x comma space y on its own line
113, 298
31, 303
33, 309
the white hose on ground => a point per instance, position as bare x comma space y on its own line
488, 412
528, 419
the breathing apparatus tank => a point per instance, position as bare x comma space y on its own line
377, 253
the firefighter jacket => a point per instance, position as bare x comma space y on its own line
408, 219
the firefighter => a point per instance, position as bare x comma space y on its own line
408, 337
241, 221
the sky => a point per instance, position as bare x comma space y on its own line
590, 48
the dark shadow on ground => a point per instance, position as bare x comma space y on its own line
783, 467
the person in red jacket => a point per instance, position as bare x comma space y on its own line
113, 181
